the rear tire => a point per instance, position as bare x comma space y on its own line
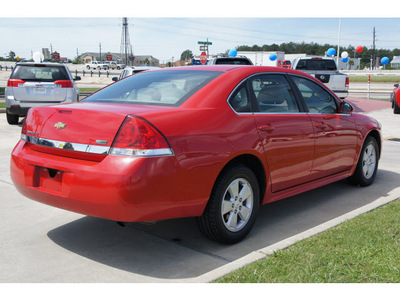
12, 119
367, 165
232, 208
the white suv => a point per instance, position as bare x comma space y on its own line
38, 84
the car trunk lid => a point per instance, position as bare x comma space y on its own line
49, 92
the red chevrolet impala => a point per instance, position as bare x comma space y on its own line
214, 142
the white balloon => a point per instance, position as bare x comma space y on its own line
37, 57
344, 54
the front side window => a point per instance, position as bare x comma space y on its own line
169, 88
273, 94
316, 98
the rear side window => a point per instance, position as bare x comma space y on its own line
273, 94
170, 88
40, 73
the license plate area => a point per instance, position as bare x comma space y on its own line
39, 91
49, 179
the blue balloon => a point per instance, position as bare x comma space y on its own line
385, 60
345, 60
331, 52
232, 53
273, 56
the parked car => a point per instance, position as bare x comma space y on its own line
325, 70
115, 65
285, 64
225, 60
128, 71
395, 99
38, 84
97, 65
213, 142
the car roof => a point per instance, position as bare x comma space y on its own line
50, 64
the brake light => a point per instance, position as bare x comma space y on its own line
14, 82
24, 129
137, 137
64, 83
347, 81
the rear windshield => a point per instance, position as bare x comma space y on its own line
236, 61
40, 73
170, 88
316, 64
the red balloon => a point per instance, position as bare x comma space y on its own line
359, 49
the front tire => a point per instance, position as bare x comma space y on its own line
232, 208
367, 165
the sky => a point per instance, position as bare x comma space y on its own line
165, 31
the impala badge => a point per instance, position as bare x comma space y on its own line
60, 125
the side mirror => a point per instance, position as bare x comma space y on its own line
77, 78
115, 79
346, 108
396, 85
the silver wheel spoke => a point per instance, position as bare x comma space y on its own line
226, 207
232, 221
245, 192
244, 213
234, 189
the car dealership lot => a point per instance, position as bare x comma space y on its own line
45, 244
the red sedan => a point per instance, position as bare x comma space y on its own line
396, 99
214, 142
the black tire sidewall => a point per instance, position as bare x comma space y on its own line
215, 203
359, 177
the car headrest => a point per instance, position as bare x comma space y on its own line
273, 94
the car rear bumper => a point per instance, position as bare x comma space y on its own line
17, 110
117, 188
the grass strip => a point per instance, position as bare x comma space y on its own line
375, 78
365, 249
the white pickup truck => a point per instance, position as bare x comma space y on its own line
326, 71
97, 65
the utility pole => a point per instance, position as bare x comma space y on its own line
373, 50
338, 45
100, 50
125, 41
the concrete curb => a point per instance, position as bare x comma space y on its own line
264, 252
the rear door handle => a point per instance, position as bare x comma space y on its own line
320, 125
266, 128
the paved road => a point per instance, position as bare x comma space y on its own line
45, 244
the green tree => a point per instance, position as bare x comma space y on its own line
187, 55
11, 55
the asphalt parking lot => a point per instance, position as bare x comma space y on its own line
45, 244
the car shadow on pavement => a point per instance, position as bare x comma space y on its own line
175, 249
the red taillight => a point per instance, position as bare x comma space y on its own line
347, 81
14, 82
137, 137
64, 83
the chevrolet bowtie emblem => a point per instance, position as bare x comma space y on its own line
60, 125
